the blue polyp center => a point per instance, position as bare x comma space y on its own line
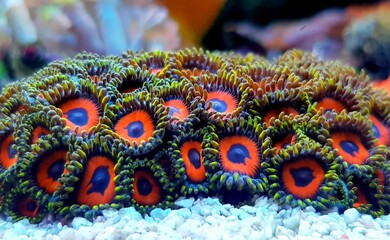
56, 169
349, 147
237, 153
377, 134
135, 129
219, 105
31, 206
11, 151
194, 157
78, 116
302, 176
100, 180
173, 110
144, 186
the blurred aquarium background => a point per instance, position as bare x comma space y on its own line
36, 32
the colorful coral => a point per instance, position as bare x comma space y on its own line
144, 128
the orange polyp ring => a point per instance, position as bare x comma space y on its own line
38, 132
381, 132
50, 169
97, 185
8, 155
361, 198
156, 70
381, 179
136, 126
302, 178
146, 189
275, 113
191, 152
329, 104
81, 112
222, 101
28, 207
177, 108
284, 142
350, 147
239, 154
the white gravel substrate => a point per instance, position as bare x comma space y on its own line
209, 219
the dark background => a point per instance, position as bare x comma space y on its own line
263, 12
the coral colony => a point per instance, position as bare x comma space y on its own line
144, 128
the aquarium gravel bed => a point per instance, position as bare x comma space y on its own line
208, 219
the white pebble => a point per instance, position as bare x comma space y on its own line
249, 209
236, 211
232, 226
184, 212
292, 222
208, 219
261, 202
304, 228
211, 220
196, 209
215, 212
212, 201
206, 211
326, 219
165, 230
337, 234
282, 238
130, 212
39, 234
103, 237
256, 235
384, 223
238, 237
269, 229
51, 237
135, 236
185, 203
369, 222
282, 231
158, 214
337, 226
212, 234
244, 215
360, 230
20, 226
378, 235
351, 215
320, 227
151, 236
11, 234
108, 213
309, 209
67, 233
79, 222
356, 236
85, 233
173, 220
189, 226
225, 212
